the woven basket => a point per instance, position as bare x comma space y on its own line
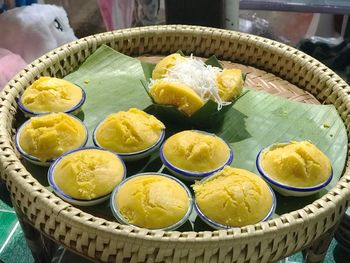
109, 241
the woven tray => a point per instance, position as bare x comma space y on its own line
105, 240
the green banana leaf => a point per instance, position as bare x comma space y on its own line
112, 82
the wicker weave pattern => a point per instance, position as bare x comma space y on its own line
110, 241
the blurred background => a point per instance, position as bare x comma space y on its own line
317, 27
266, 18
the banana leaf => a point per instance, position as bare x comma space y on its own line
112, 82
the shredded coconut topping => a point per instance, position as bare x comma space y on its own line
201, 78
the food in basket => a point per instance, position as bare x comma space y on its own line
165, 64
295, 166
152, 200
299, 164
232, 198
189, 83
194, 154
48, 136
230, 84
49, 94
86, 174
177, 94
132, 133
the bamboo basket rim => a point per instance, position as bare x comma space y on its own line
16, 176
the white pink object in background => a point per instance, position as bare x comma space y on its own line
119, 14
29, 32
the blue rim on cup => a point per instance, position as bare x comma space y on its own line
133, 156
219, 226
75, 201
192, 176
34, 159
73, 111
284, 189
122, 220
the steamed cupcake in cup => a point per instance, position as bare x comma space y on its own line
48, 94
133, 134
44, 138
297, 168
233, 197
194, 154
152, 200
86, 176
